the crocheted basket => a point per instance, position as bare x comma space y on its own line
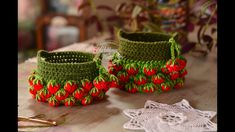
69, 78
148, 62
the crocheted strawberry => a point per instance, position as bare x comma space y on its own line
149, 70
123, 77
79, 93
94, 92
32, 91
112, 70
117, 65
174, 75
158, 79
100, 82
164, 70
183, 73
53, 101
179, 84
87, 100
44, 93
61, 94
140, 79
37, 84
149, 88
53, 87
30, 79
165, 86
131, 69
101, 95
131, 87
70, 86
113, 81
182, 62
69, 101
172, 66
86, 84
39, 98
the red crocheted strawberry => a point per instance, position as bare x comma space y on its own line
140, 79
123, 77
165, 86
79, 93
61, 94
30, 80
179, 84
131, 87
113, 81
117, 65
53, 87
32, 91
44, 93
70, 86
175, 65
112, 70
164, 70
149, 88
53, 101
131, 69
100, 83
100, 96
182, 62
37, 84
87, 100
158, 79
149, 70
171, 66
69, 101
39, 98
183, 73
86, 84
174, 75
94, 92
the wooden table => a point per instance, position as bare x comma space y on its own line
200, 90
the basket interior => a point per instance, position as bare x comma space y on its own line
63, 57
145, 37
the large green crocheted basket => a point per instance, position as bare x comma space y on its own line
69, 78
148, 62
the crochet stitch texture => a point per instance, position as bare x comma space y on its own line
148, 62
69, 78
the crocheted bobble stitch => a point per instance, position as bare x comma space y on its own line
148, 76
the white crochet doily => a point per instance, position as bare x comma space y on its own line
179, 117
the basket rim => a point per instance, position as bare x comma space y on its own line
121, 32
41, 52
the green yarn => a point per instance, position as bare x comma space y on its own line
145, 46
70, 65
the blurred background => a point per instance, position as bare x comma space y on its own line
51, 24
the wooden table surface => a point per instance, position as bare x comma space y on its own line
200, 90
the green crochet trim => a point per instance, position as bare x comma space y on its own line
71, 65
147, 46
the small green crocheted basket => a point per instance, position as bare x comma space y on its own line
69, 78
148, 62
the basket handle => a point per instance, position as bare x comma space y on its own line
41, 53
174, 46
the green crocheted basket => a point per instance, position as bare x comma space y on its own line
69, 78
148, 62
